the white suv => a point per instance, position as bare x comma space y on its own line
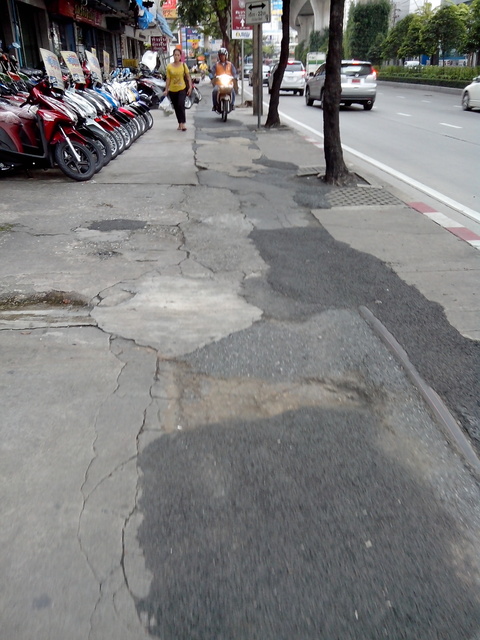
359, 84
293, 77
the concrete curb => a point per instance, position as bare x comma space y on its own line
447, 422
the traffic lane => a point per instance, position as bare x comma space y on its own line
435, 111
438, 160
303, 496
442, 162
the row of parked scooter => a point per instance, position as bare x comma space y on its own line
78, 127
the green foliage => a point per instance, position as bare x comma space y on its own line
445, 29
413, 44
374, 54
472, 22
395, 38
301, 51
318, 40
431, 74
368, 21
347, 49
212, 16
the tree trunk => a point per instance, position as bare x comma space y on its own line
273, 119
336, 169
223, 20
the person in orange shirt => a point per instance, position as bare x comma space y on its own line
219, 68
178, 87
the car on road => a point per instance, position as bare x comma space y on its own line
471, 95
293, 78
359, 84
246, 70
265, 74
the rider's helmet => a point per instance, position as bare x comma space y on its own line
223, 51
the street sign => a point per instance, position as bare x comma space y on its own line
237, 11
242, 34
257, 12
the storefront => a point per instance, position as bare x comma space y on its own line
26, 23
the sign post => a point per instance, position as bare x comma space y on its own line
256, 13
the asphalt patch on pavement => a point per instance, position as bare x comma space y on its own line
296, 526
120, 224
310, 272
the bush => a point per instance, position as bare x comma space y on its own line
457, 77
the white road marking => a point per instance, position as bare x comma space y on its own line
406, 115
454, 126
449, 202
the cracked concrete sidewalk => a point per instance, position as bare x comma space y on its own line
151, 252
138, 258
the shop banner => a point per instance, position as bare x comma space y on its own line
52, 67
169, 9
94, 66
74, 66
159, 43
106, 62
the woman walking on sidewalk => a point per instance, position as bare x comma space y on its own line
179, 86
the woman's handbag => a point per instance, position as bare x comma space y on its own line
186, 77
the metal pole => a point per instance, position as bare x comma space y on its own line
259, 74
242, 68
255, 70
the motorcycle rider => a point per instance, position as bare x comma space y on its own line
220, 67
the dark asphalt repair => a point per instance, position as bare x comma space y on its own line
277, 529
333, 275
298, 525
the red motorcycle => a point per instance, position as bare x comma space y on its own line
41, 133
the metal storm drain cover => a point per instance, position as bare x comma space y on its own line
361, 196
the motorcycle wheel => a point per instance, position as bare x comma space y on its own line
117, 134
96, 151
147, 116
127, 136
224, 110
105, 145
83, 169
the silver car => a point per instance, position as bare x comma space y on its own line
359, 84
293, 77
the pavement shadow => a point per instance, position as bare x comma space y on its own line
297, 527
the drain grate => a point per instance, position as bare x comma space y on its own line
361, 196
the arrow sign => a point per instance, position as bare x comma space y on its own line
257, 12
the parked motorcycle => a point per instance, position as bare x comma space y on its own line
42, 133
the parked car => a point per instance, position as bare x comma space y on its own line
265, 74
471, 95
359, 84
293, 78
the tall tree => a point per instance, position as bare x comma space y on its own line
273, 117
445, 30
472, 39
368, 21
395, 38
212, 15
336, 169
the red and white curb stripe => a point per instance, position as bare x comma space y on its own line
447, 223
441, 219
